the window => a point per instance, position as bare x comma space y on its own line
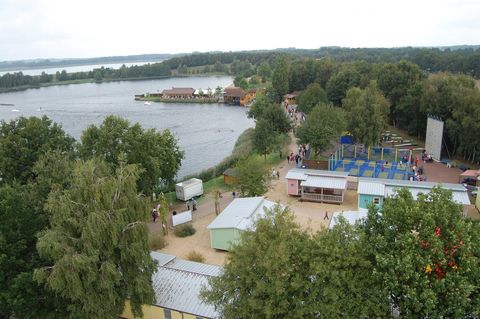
167, 314
376, 200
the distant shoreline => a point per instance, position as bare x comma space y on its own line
82, 81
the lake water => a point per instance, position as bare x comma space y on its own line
76, 68
206, 132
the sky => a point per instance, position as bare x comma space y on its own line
90, 28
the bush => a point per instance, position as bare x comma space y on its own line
195, 256
184, 230
156, 241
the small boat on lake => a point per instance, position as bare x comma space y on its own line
147, 103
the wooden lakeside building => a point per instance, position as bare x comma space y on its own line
231, 95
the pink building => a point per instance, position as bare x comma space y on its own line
317, 185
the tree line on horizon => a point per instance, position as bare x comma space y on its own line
462, 60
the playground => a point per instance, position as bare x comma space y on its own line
378, 162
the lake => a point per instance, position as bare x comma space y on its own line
75, 68
206, 132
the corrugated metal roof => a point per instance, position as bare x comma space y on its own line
240, 213
417, 184
368, 188
325, 182
302, 173
459, 196
293, 174
177, 284
350, 216
191, 266
180, 290
161, 258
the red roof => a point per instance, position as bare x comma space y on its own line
179, 91
234, 92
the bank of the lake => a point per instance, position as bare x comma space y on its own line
206, 132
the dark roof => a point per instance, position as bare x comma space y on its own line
292, 95
179, 91
230, 172
234, 92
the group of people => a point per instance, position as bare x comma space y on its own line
298, 158
191, 203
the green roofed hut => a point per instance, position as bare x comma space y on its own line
236, 218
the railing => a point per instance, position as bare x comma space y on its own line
322, 198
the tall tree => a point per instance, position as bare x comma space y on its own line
280, 78
156, 152
264, 71
395, 79
252, 177
426, 255
20, 295
266, 272
23, 141
338, 85
324, 123
367, 113
97, 244
343, 285
312, 95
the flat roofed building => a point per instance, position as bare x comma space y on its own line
237, 217
317, 185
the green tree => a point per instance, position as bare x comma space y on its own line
367, 113
156, 152
253, 178
265, 138
310, 97
20, 295
395, 79
324, 123
264, 71
23, 141
266, 272
97, 244
262, 101
338, 85
426, 255
343, 285
280, 78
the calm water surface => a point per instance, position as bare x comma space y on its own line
75, 68
206, 132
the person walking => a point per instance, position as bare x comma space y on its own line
326, 215
154, 215
194, 204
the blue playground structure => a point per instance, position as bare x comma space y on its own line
375, 162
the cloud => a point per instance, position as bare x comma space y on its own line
52, 28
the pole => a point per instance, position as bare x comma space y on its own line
381, 155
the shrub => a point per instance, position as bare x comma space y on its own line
156, 241
195, 256
184, 230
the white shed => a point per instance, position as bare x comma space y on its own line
188, 189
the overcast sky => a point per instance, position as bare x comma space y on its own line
90, 28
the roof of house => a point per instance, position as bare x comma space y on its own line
366, 188
230, 172
179, 91
325, 182
292, 95
301, 173
459, 192
177, 284
470, 173
351, 217
234, 92
241, 213
189, 182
